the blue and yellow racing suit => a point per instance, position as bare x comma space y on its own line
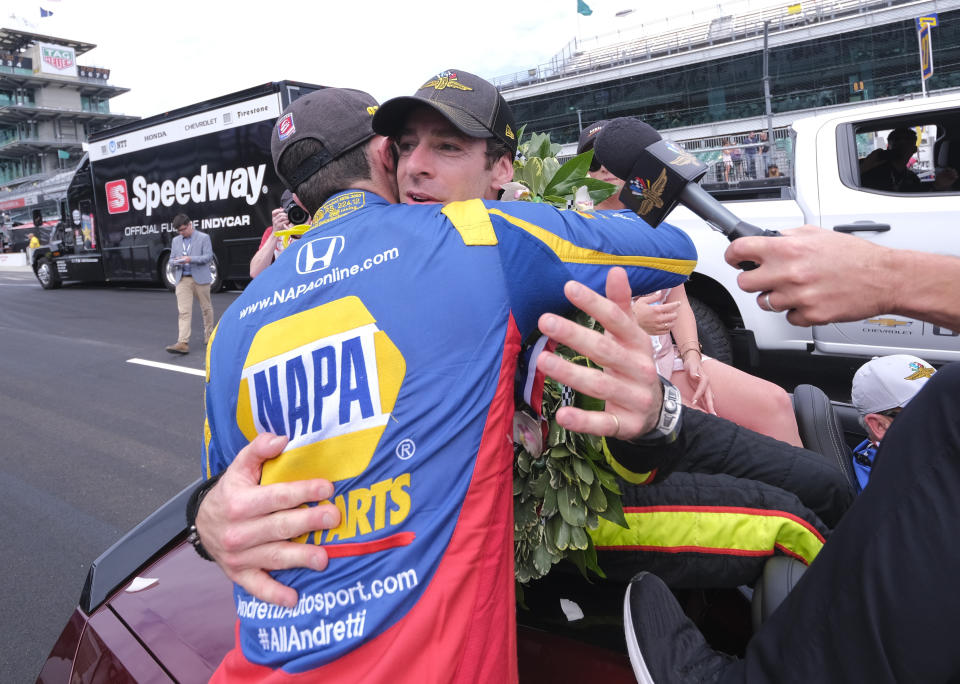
384, 346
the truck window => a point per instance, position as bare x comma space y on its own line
906, 157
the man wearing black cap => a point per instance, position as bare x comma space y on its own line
466, 156
456, 138
439, 162
383, 348
588, 136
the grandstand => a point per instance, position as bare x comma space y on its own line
704, 82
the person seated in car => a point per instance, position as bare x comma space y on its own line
882, 387
888, 169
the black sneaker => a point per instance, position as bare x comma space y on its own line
663, 644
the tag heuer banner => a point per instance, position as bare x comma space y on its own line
57, 59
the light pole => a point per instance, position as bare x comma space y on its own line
768, 105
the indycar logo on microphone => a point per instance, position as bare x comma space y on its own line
118, 202
684, 158
651, 194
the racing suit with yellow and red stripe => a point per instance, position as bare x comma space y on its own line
384, 346
709, 509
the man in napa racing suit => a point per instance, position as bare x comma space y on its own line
384, 349
739, 498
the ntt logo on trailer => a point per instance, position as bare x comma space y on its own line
118, 201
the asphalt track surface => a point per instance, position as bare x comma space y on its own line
90, 443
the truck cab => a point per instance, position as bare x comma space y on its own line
71, 252
826, 189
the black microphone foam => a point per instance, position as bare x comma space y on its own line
659, 174
620, 143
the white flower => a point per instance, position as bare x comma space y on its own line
514, 191
582, 200
527, 433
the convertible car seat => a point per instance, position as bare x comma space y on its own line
820, 431
780, 575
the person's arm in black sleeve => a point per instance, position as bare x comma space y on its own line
650, 463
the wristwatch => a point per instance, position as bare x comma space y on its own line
668, 426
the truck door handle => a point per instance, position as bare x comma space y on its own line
862, 226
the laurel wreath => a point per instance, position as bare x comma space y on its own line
563, 484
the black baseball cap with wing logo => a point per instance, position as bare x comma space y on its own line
473, 105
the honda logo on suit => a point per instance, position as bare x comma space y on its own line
317, 254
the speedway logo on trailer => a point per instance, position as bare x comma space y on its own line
57, 59
241, 183
117, 202
220, 176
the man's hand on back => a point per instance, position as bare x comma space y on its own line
246, 527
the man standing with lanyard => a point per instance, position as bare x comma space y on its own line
190, 255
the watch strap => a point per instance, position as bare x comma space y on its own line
669, 420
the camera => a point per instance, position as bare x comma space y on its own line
295, 213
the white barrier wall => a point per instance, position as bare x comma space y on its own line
13, 259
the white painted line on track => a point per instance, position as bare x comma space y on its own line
168, 366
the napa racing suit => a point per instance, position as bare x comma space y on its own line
384, 346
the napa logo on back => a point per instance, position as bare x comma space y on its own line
327, 378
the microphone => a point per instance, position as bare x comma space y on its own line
660, 174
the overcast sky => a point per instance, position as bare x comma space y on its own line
177, 52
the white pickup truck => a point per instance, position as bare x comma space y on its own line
825, 190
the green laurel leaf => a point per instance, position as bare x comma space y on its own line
562, 492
